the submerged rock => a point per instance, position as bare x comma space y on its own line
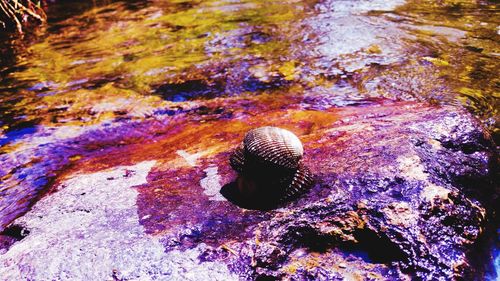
402, 192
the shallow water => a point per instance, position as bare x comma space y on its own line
124, 60
94, 67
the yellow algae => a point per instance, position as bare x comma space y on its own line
139, 50
89, 106
288, 70
375, 276
291, 268
75, 158
154, 45
437, 61
374, 49
313, 261
471, 92
461, 34
9, 148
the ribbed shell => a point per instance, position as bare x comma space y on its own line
237, 159
293, 186
274, 145
300, 183
273, 155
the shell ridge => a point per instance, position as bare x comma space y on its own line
274, 155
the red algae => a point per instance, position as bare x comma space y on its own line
173, 201
173, 197
207, 134
210, 135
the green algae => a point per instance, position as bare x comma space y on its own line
110, 62
119, 52
462, 40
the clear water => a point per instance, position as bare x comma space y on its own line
111, 61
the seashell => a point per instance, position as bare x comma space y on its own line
275, 146
237, 159
299, 184
268, 162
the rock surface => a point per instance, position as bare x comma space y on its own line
401, 193
89, 230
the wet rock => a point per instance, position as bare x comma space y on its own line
88, 239
221, 79
401, 193
188, 90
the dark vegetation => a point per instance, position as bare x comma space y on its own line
16, 15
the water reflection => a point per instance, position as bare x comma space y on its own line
494, 272
147, 55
